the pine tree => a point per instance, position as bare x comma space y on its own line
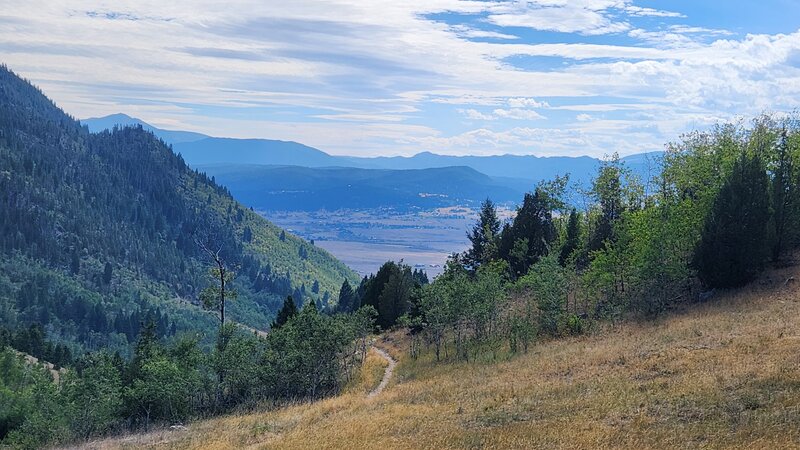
483, 236
108, 272
288, 311
346, 298
75, 262
389, 292
784, 199
572, 239
247, 234
607, 191
395, 298
531, 233
733, 245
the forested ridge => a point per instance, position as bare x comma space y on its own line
111, 251
98, 232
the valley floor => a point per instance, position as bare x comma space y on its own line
725, 374
365, 239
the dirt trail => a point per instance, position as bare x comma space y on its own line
387, 375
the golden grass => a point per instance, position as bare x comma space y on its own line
720, 375
369, 375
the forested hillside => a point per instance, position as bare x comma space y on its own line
99, 233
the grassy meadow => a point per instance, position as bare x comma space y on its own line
724, 374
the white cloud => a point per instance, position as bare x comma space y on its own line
650, 12
476, 115
522, 102
518, 111
580, 17
572, 141
302, 70
518, 114
467, 32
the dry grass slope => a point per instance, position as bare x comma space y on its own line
725, 374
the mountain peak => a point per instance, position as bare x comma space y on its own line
118, 116
98, 124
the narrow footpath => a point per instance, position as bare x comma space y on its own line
387, 374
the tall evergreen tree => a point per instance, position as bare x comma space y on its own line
572, 239
75, 262
734, 244
531, 233
347, 298
288, 311
607, 191
483, 236
784, 199
395, 298
108, 272
389, 292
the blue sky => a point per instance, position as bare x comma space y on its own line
375, 77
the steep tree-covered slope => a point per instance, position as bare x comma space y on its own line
98, 232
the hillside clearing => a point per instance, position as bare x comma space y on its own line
725, 374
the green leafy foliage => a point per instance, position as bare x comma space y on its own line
312, 355
723, 204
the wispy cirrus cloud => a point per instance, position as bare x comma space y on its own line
388, 77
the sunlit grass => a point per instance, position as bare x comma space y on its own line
369, 376
720, 375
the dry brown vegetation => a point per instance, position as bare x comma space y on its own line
725, 374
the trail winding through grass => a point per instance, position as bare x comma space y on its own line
387, 374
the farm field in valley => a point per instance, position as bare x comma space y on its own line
366, 239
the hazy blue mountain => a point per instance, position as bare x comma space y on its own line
304, 188
513, 173
97, 124
253, 151
526, 167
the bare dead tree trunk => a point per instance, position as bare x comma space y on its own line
222, 270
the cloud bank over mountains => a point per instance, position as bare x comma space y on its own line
541, 77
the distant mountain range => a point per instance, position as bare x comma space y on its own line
333, 188
269, 184
98, 124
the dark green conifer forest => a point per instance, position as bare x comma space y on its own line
100, 232
111, 250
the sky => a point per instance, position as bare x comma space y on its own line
398, 77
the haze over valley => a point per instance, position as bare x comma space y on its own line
416, 224
367, 210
